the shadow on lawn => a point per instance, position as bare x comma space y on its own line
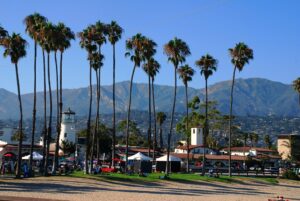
79, 186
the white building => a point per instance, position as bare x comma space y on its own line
68, 131
196, 145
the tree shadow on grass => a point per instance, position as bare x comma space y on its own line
80, 187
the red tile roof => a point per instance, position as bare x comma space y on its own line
241, 149
210, 157
184, 147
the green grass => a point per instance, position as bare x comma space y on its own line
174, 177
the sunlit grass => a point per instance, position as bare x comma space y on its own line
174, 177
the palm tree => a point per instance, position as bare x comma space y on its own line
63, 38
33, 25
99, 33
149, 51
3, 34
135, 48
114, 32
15, 48
186, 74
296, 84
176, 50
268, 141
48, 37
152, 68
86, 42
161, 118
207, 65
241, 54
96, 63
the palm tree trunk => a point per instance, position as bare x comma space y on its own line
34, 110
97, 115
161, 142
149, 115
55, 161
87, 170
114, 108
187, 129
18, 174
98, 105
171, 124
60, 99
88, 126
50, 117
45, 115
205, 133
230, 121
128, 117
154, 117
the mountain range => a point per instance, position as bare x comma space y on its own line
253, 96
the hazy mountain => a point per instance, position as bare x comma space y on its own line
253, 96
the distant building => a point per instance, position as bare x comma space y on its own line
196, 145
288, 146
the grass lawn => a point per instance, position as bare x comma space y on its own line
175, 177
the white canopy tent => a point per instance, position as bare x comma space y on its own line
171, 158
139, 157
35, 156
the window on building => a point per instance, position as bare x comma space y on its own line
194, 131
1, 133
66, 135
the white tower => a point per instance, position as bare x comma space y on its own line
68, 132
197, 136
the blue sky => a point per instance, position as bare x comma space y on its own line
270, 27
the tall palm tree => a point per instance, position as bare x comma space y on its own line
33, 25
152, 68
241, 54
86, 42
63, 38
96, 63
99, 33
48, 37
149, 51
161, 118
176, 50
207, 65
15, 48
114, 32
41, 42
135, 50
296, 85
186, 74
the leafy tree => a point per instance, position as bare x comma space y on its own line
176, 50
296, 85
135, 137
68, 147
241, 54
268, 141
161, 118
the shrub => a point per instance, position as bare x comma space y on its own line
289, 174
